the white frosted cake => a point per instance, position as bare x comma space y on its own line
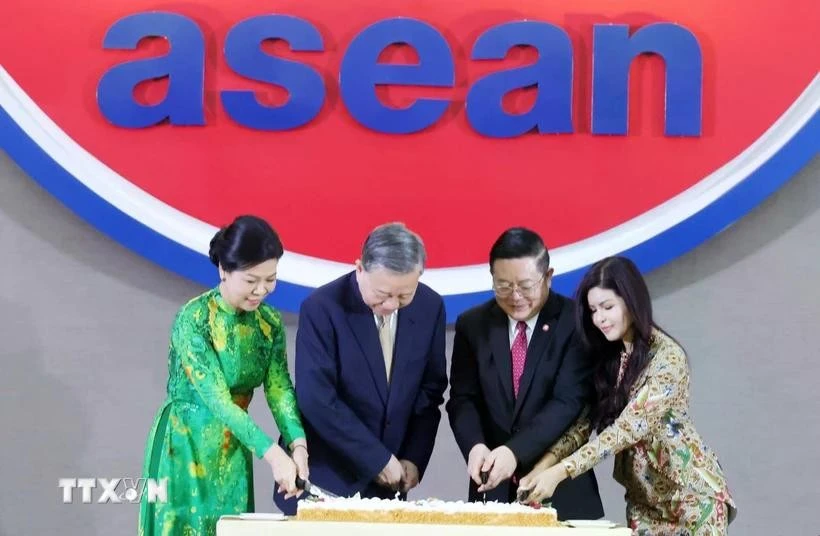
430, 511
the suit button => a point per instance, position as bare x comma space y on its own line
515, 429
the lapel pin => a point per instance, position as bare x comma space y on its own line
545, 327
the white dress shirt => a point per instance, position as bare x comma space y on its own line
513, 328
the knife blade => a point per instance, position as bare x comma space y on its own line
314, 490
485, 475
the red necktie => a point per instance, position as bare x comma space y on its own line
519, 354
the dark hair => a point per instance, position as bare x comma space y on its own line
246, 242
519, 242
621, 276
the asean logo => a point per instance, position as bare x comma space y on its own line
642, 132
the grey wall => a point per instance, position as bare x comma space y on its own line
84, 325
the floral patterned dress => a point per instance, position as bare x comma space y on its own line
202, 438
674, 483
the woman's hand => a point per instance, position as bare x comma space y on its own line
299, 453
542, 485
546, 461
284, 471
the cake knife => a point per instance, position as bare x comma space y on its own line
314, 490
485, 475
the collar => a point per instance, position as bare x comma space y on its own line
512, 325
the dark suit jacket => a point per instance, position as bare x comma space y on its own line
555, 386
353, 420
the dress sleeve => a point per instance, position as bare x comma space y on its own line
573, 438
666, 381
279, 391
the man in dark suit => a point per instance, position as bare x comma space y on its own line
371, 371
519, 378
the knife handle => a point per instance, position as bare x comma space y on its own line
485, 475
300, 483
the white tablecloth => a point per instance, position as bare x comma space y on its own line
233, 526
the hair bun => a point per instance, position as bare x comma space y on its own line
216, 247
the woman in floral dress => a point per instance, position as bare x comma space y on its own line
674, 483
224, 344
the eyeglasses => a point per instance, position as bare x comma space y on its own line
504, 289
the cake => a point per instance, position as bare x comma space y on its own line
429, 511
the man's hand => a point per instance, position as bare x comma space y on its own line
500, 464
392, 474
411, 475
475, 460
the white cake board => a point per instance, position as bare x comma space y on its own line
235, 526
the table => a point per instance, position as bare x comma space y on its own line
235, 526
